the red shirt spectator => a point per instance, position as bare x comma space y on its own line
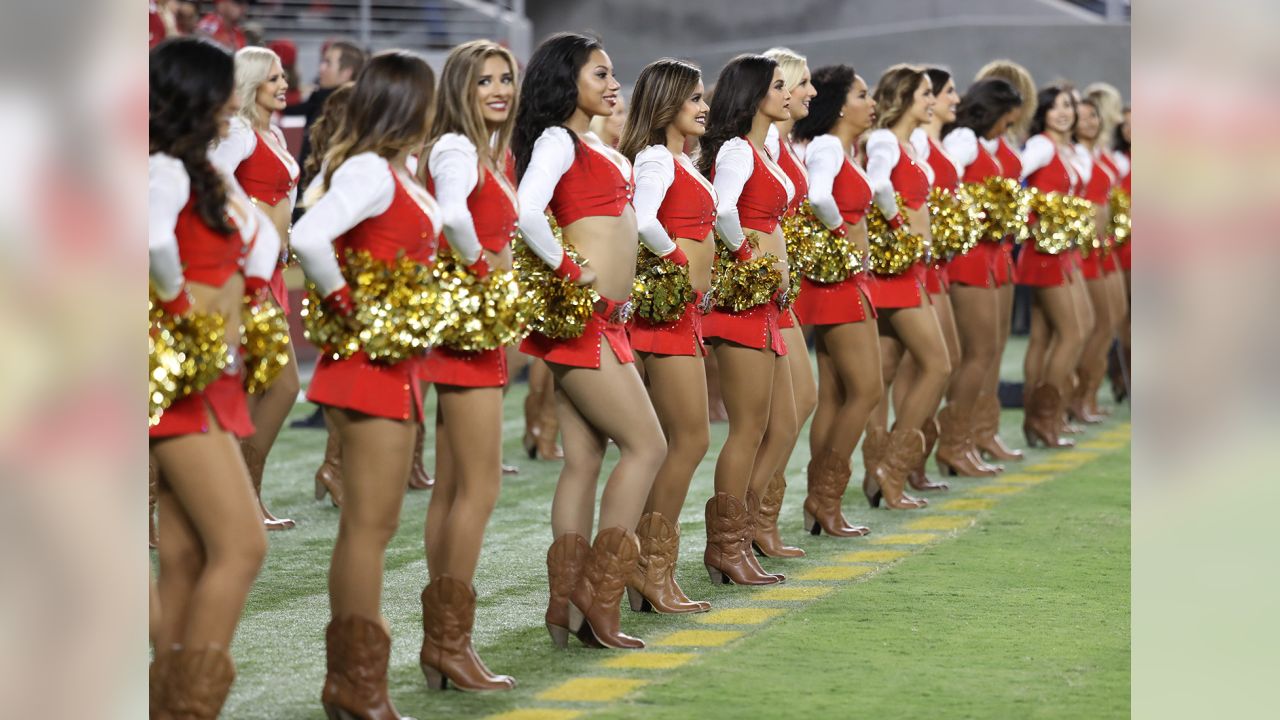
223, 24
156, 32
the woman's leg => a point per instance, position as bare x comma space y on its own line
1093, 358
977, 324
804, 388
780, 431
921, 333
443, 493
181, 562
854, 352
1033, 363
830, 391
473, 430
269, 411
678, 390
746, 382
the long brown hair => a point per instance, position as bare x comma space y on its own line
388, 112
1017, 76
895, 93
458, 110
661, 90
325, 129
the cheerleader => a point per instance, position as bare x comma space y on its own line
769, 486
466, 170
569, 80
1122, 366
1058, 325
984, 114
675, 210
841, 314
1114, 117
908, 321
369, 203
752, 194
255, 152
541, 426
209, 249
986, 415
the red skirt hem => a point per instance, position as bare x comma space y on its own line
899, 291
584, 350
680, 337
834, 303
357, 383
755, 328
484, 368
1039, 269
227, 403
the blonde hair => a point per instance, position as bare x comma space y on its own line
791, 63
253, 67
1017, 76
1106, 98
661, 90
896, 91
458, 109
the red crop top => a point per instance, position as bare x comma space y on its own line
208, 256
1054, 177
1098, 189
493, 211
983, 166
852, 193
1010, 165
944, 171
264, 176
689, 209
593, 186
404, 229
799, 180
910, 180
764, 198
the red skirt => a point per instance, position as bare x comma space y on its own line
785, 320
755, 328
378, 389
1039, 269
679, 337
227, 400
278, 289
584, 350
1109, 263
834, 303
1126, 263
484, 368
935, 278
985, 266
899, 291
1092, 265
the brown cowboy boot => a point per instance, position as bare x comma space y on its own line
873, 447
197, 681
549, 429
1085, 400
329, 476
1043, 415
565, 559
767, 540
355, 686
986, 429
903, 451
256, 461
828, 478
418, 477
728, 557
447, 655
955, 443
917, 478
593, 605
157, 680
653, 584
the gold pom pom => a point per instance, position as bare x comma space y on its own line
472, 313
954, 222
558, 308
816, 252
264, 340
1082, 225
1056, 223
1120, 226
661, 290
185, 354
1004, 206
893, 251
394, 311
739, 286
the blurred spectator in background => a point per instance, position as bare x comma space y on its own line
223, 24
288, 53
254, 34
157, 28
186, 15
340, 62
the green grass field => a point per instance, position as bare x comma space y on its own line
1016, 604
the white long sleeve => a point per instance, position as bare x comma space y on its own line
655, 173
1082, 160
264, 254
962, 145
772, 143
552, 157
454, 166
734, 164
362, 187
882, 156
824, 158
920, 143
1037, 154
168, 191
227, 153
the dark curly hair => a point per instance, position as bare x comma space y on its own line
1120, 144
983, 105
549, 93
191, 80
742, 84
1044, 102
325, 128
833, 83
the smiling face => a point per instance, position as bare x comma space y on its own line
495, 88
1089, 124
859, 111
776, 105
597, 87
923, 102
1061, 115
270, 97
691, 119
948, 101
801, 95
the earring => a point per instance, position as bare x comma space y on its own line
841, 113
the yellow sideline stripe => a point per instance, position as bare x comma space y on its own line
1103, 444
967, 504
699, 638
738, 616
649, 660
940, 522
999, 489
782, 593
833, 572
592, 689
1050, 467
537, 714
872, 556
905, 539
1022, 479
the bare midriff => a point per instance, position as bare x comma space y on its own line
608, 246
701, 254
774, 243
226, 301
918, 219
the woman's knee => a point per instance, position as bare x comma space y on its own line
368, 528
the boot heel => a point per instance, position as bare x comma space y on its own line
811, 524
1032, 439
436, 680
559, 635
321, 490
717, 577
947, 470
638, 601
